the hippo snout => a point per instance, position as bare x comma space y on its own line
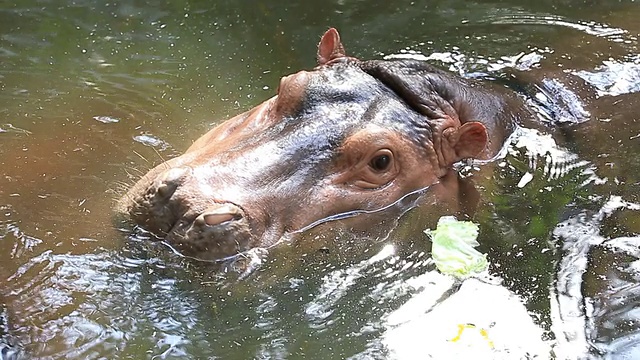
193, 223
154, 206
220, 231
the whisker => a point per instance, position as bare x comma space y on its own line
164, 162
137, 170
141, 157
122, 184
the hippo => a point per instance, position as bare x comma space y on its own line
347, 135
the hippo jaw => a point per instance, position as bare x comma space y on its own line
336, 139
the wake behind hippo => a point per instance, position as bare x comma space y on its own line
349, 135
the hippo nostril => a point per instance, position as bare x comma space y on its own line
166, 190
215, 219
219, 214
170, 180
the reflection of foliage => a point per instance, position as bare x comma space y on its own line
519, 223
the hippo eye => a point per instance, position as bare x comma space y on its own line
381, 162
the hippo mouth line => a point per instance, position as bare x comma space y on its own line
182, 227
403, 204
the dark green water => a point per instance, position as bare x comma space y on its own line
76, 287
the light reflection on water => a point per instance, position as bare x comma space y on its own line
75, 287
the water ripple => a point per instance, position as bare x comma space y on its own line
588, 27
86, 305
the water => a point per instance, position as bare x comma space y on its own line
93, 94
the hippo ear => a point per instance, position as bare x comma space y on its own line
330, 47
468, 140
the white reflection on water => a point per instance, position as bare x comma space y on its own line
614, 77
572, 311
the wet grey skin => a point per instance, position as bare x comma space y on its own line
347, 135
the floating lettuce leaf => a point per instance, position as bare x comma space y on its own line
453, 248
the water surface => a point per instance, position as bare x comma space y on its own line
93, 94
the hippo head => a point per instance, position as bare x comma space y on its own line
347, 135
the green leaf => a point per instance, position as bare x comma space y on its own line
453, 248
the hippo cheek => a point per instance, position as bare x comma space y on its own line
375, 167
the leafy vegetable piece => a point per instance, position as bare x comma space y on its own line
453, 248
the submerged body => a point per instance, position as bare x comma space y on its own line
347, 135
